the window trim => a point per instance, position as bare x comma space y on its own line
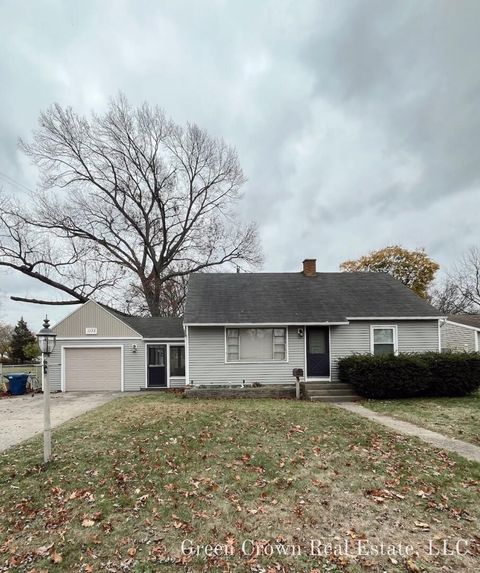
273, 361
392, 327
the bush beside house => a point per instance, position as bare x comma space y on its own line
412, 375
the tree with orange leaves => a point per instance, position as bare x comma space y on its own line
414, 269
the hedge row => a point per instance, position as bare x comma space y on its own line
410, 375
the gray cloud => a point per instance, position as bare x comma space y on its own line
356, 122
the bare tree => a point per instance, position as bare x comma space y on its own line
172, 297
460, 292
448, 298
466, 276
130, 203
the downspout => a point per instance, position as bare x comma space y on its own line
441, 324
187, 358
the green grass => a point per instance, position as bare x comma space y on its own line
454, 417
134, 478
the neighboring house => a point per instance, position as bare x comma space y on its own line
461, 332
258, 327
101, 350
245, 328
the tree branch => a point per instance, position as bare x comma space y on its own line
49, 302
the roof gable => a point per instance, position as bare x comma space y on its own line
238, 298
93, 315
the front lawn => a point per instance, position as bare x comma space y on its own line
454, 417
138, 476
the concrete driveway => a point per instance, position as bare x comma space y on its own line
21, 417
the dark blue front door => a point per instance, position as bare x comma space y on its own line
157, 365
318, 352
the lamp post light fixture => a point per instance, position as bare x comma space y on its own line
46, 341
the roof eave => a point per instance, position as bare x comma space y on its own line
468, 326
284, 323
396, 317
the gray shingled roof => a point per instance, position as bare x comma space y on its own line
155, 327
467, 319
229, 298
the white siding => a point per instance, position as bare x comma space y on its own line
457, 337
208, 366
177, 382
413, 336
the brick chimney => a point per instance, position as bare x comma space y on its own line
310, 267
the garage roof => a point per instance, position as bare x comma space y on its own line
236, 298
155, 327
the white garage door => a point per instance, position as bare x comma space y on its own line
93, 369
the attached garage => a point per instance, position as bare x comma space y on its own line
100, 350
90, 369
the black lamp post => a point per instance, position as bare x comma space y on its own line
46, 341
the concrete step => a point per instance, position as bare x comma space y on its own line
326, 386
332, 398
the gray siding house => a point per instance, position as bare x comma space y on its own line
247, 328
461, 332
244, 328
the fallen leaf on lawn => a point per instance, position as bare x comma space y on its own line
421, 525
378, 495
132, 551
412, 566
56, 557
88, 523
44, 550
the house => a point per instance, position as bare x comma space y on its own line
245, 328
258, 327
461, 332
101, 350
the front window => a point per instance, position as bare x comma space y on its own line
384, 340
177, 360
256, 344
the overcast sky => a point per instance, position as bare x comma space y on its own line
357, 123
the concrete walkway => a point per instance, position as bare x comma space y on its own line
468, 451
21, 417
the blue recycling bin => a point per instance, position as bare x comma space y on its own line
17, 383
